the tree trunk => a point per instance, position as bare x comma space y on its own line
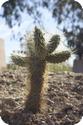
78, 66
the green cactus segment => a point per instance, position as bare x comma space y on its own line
40, 49
58, 57
37, 70
53, 43
18, 60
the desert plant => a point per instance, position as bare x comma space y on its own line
18, 60
39, 53
59, 67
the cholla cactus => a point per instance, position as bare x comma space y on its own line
39, 53
18, 60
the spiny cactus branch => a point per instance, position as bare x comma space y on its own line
40, 49
53, 43
18, 60
58, 57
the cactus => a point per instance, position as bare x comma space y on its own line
18, 60
39, 54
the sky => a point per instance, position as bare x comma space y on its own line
11, 45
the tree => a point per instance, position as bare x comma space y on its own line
68, 15
79, 44
38, 55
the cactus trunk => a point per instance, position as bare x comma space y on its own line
36, 69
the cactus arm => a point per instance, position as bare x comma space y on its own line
18, 60
53, 43
58, 57
40, 49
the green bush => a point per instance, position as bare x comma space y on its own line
58, 68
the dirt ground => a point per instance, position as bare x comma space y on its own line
64, 99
